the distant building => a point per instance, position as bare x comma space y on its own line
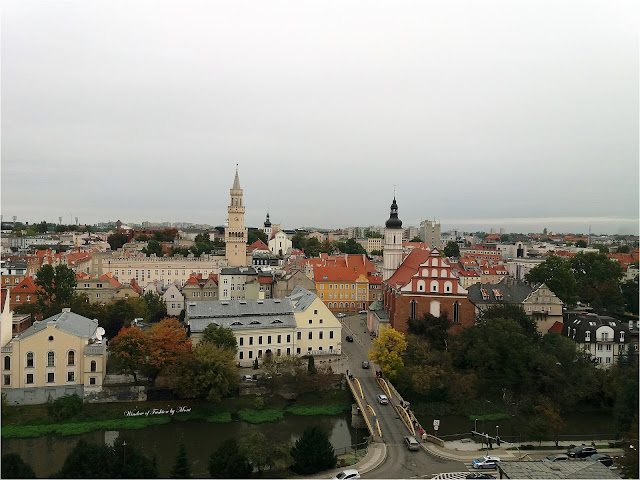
430, 234
236, 234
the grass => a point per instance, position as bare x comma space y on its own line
261, 416
491, 417
311, 410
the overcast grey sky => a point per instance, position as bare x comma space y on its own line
510, 114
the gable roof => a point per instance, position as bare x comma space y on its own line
258, 245
27, 285
556, 327
512, 290
409, 267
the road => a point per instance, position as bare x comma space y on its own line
400, 463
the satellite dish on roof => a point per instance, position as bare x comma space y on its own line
99, 333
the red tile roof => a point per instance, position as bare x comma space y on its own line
409, 267
556, 328
258, 245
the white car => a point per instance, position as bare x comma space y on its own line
487, 461
340, 315
362, 311
347, 475
383, 399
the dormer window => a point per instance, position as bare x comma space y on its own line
587, 336
622, 336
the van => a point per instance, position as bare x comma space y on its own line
411, 443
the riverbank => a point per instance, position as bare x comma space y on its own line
30, 421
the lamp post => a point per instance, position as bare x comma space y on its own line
124, 454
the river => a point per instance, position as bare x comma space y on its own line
47, 454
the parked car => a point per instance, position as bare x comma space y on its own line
603, 458
349, 338
383, 399
581, 451
347, 474
340, 315
556, 457
248, 378
479, 475
488, 461
411, 443
365, 364
362, 311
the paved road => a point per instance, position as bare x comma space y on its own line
400, 463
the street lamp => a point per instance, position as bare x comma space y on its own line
124, 454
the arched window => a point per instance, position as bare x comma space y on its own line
421, 285
7, 362
443, 273
434, 286
93, 365
434, 273
434, 308
341, 305
51, 359
30, 361
447, 287
413, 309
456, 312
71, 357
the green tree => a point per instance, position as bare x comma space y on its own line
142, 238
597, 279
557, 273
42, 227
14, 467
65, 407
629, 461
452, 249
227, 461
311, 366
181, 468
119, 313
312, 247
312, 452
631, 294
208, 372
117, 240
156, 306
153, 248
514, 312
601, 248
539, 429
350, 247
56, 287
434, 330
387, 351
581, 244
220, 337
504, 238
415, 240
298, 240
623, 249
254, 235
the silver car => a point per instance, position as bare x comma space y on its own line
411, 443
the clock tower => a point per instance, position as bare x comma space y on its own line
235, 236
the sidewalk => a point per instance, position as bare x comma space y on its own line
467, 451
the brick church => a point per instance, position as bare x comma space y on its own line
420, 282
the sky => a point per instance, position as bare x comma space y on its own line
478, 114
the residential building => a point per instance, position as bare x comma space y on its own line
12, 273
174, 300
604, 339
59, 355
199, 289
290, 280
318, 331
25, 293
235, 283
492, 273
430, 234
519, 267
468, 278
279, 243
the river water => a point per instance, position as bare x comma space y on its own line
47, 454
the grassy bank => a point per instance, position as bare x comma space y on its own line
30, 421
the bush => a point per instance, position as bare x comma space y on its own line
64, 407
261, 416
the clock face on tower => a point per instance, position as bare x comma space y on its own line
236, 219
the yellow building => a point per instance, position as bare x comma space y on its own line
63, 354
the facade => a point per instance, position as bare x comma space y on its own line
99, 290
519, 267
25, 293
286, 284
279, 243
318, 331
199, 289
430, 233
61, 354
174, 300
468, 278
235, 283
13, 273
424, 283
235, 235
601, 338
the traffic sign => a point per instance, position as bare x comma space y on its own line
435, 427
436, 424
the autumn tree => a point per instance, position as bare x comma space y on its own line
167, 342
387, 351
129, 351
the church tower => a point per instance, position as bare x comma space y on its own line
235, 236
392, 254
267, 227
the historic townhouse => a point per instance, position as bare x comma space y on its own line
200, 289
59, 355
25, 293
318, 331
174, 301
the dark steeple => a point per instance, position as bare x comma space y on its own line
394, 221
267, 222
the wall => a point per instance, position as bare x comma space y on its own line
39, 395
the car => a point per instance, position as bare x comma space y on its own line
365, 364
556, 457
603, 458
362, 311
383, 399
479, 475
411, 443
340, 315
488, 461
248, 378
347, 474
349, 338
581, 451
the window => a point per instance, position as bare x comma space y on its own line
250, 341
241, 341
587, 336
269, 339
71, 358
320, 335
599, 347
260, 340
288, 351
259, 353
309, 349
30, 359
330, 333
17, 298
310, 322
51, 377
299, 335
605, 337
94, 366
71, 376
608, 347
310, 335
29, 378
456, 312
241, 355
7, 363
51, 359
279, 338
288, 338
92, 380
298, 350
6, 380
622, 336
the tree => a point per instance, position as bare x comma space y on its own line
432, 329
153, 248
129, 351
167, 343
220, 337
514, 312
312, 452
597, 278
254, 235
227, 461
117, 240
298, 240
581, 244
56, 287
142, 238
387, 351
631, 294
181, 468
312, 247
629, 461
119, 313
14, 467
557, 274
311, 366
504, 238
350, 247
156, 306
601, 248
539, 428
452, 249
623, 249
262, 453
550, 412
415, 240
65, 407
209, 372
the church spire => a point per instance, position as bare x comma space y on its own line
394, 221
236, 181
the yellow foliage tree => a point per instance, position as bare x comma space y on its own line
387, 351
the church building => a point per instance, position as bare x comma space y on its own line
235, 235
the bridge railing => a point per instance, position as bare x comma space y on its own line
357, 394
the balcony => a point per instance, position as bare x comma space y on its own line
7, 349
95, 349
